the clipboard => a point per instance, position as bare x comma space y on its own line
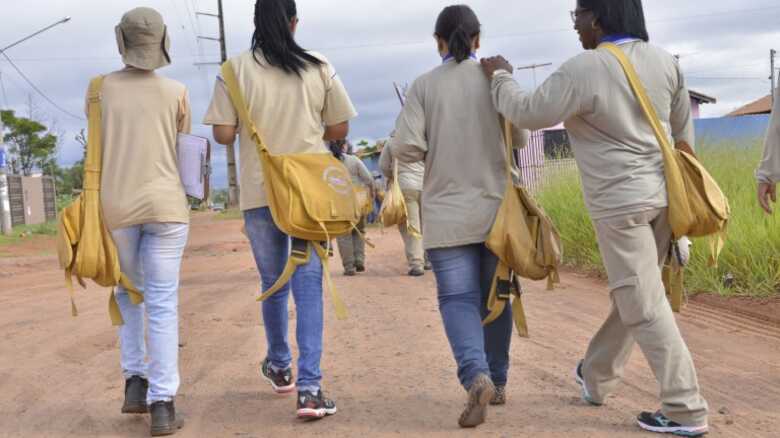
194, 161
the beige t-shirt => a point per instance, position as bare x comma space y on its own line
449, 122
290, 112
617, 153
142, 115
410, 175
361, 176
769, 169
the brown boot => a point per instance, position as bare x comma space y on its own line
481, 392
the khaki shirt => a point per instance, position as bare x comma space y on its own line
361, 176
290, 112
142, 115
618, 156
410, 175
449, 121
769, 169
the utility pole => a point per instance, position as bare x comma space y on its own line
772, 77
5, 204
233, 191
533, 68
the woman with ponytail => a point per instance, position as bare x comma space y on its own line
298, 103
449, 122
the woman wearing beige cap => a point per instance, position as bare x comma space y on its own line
145, 207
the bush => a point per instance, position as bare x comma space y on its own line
752, 253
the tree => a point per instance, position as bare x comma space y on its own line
70, 180
31, 145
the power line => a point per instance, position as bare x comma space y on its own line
38, 90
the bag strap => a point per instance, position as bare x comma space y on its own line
639, 91
231, 81
94, 161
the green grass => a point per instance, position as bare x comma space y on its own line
230, 215
24, 231
752, 252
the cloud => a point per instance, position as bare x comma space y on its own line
724, 48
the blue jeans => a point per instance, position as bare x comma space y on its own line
271, 249
464, 275
150, 255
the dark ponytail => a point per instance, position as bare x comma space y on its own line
274, 39
337, 149
458, 25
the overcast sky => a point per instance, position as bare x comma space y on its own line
724, 47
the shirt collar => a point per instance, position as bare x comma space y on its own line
450, 56
619, 38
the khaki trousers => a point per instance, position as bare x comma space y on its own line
634, 249
413, 245
352, 247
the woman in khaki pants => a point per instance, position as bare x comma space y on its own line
623, 183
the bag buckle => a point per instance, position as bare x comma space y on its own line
504, 289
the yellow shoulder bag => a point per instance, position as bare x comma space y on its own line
697, 205
311, 197
85, 247
526, 243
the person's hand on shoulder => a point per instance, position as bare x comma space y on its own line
494, 63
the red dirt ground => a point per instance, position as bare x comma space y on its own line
388, 366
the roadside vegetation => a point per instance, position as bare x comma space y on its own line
749, 264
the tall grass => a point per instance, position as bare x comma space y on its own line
751, 258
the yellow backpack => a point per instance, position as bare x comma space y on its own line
697, 205
85, 247
526, 243
311, 197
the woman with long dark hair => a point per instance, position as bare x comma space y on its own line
298, 103
622, 172
449, 122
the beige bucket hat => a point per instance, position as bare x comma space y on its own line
143, 39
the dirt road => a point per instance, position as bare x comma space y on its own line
389, 366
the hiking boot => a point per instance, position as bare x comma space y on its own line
281, 381
416, 272
135, 395
360, 267
480, 394
581, 381
164, 419
500, 396
660, 424
314, 406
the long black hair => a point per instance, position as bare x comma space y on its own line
458, 25
619, 16
274, 38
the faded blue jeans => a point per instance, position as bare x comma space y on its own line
150, 255
271, 249
464, 275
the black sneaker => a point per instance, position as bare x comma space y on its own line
360, 268
350, 272
314, 406
660, 424
136, 388
581, 381
281, 381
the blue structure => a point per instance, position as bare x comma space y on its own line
734, 130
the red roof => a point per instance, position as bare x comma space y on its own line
761, 106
